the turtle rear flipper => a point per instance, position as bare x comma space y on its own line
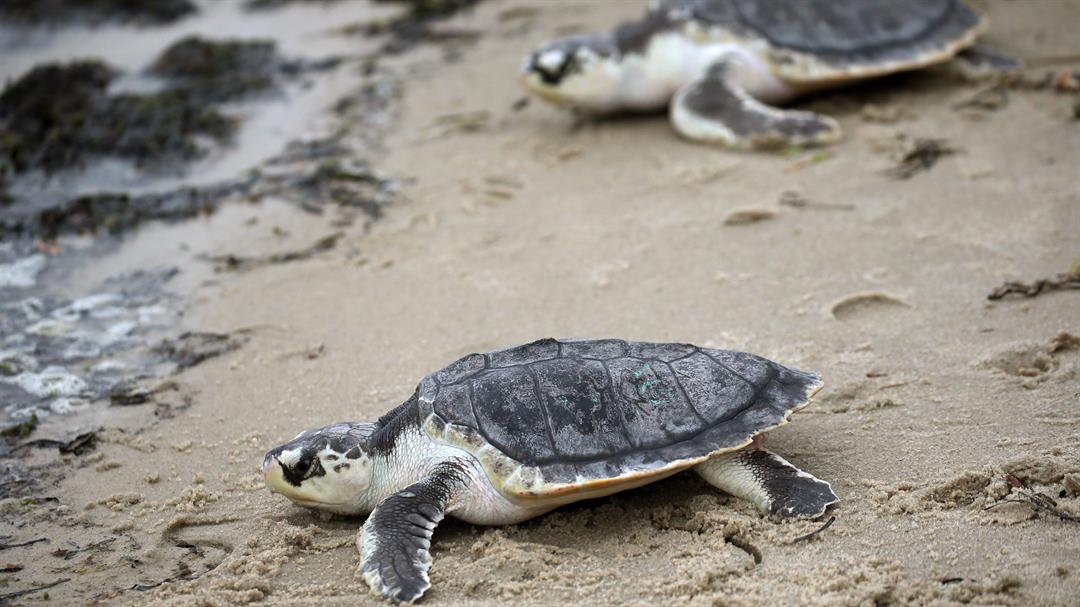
980, 61
396, 538
716, 109
772, 483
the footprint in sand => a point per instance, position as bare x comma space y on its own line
188, 548
1033, 362
866, 306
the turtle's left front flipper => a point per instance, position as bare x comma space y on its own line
394, 542
716, 109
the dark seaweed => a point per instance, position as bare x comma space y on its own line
421, 9
59, 115
193, 347
923, 155
115, 212
405, 31
433, 9
152, 12
414, 27
215, 71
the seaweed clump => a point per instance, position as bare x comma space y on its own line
57, 116
217, 71
411, 28
152, 12
417, 9
433, 9
414, 27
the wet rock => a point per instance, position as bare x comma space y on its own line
152, 12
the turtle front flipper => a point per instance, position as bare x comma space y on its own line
394, 542
716, 109
769, 481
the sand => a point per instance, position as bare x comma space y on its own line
522, 224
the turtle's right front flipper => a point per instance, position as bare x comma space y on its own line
394, 542
716, 109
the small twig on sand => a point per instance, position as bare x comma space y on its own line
21, 544
144, 587
231, 262
1068, 280
77, 445
828, 523
69, 553
4, 598
1037, 500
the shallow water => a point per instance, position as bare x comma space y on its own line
82, 314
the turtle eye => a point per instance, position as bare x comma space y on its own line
552, 65
301, 468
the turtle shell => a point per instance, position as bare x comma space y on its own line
556, 416
815, 40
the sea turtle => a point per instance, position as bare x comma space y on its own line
718, 64
499, 438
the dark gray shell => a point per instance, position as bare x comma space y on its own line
598, 409
840, 33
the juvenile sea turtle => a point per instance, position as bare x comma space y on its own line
499, 438
718, 63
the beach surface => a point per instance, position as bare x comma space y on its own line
517, 223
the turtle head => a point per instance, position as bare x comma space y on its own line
580, 71
324, 468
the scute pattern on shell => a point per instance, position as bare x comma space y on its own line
564, 411
812, 40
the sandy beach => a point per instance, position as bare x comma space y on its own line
517, 223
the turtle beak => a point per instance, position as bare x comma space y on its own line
272, 473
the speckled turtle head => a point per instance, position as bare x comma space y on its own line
323, 468
577, 71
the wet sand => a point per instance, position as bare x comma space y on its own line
517, 225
